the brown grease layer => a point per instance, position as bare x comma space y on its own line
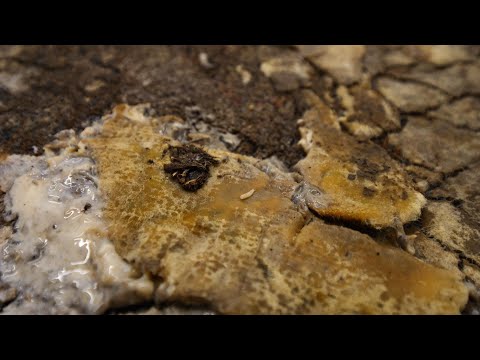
254, 255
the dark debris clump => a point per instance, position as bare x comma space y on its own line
189, 166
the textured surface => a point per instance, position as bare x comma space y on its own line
77, 84
254, 255
443, 147
356, 181
382, 129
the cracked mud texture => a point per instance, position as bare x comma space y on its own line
388, 120
259, 255
436, 145
357, 181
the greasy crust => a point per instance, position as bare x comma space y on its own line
416, 104
359, 181
259, 255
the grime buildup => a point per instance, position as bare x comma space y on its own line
140, 209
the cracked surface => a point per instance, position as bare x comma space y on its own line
443, 148
455, 80
410, 96
464, 112
356, 181
382, 128
367, 114
253, 256
344, 63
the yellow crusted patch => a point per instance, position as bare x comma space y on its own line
359, 180
253, 255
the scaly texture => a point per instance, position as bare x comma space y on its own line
357, 181
253, 256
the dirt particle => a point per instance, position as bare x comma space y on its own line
247, 194
368, 192
189, 166
367, 169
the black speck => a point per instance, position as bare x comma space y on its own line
189, 166
368, 192
151, 162
457, 202
86, 207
